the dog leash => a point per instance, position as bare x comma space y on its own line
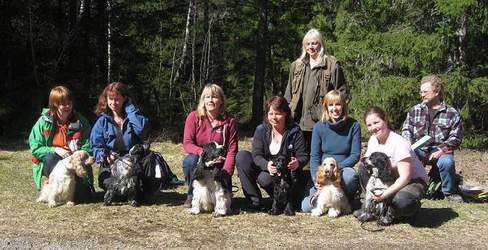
377, 229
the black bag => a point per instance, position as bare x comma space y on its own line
156, 173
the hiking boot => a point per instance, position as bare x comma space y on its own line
187, 203
453, 198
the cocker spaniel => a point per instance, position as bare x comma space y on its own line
60, 188
379, 168
209, 191
330, 199
124, 181
284, 188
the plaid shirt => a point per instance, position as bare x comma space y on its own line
446, 127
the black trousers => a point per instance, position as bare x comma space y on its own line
83, 189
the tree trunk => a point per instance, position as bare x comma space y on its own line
461, 32
259, 77
109, 41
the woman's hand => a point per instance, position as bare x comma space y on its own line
62, 152
293, 164
272, 168
318, 186
110, 159
378, 195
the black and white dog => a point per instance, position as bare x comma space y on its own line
378, 166
124, 181
284, 187
209, 188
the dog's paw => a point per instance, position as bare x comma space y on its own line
333, 212
316, 212
134, 203
365, 217
217, 214
51, 204
70, 203
194, 210
274, 212
289, 212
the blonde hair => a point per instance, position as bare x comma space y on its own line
211, 89
333, 96
58, 95
435, 82
313, 34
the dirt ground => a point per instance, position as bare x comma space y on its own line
473, 165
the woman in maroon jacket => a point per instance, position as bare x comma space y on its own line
210, 122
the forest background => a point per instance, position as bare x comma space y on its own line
168, 50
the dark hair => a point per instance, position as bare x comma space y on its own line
112, 88
378, 112
279, 103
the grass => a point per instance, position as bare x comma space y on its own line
166, 224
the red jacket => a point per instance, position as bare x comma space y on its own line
199, 132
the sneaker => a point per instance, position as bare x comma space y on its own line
187, 203
453, 198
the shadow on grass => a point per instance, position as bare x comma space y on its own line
433, 217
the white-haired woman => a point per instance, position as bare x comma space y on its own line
311, 77
210, 122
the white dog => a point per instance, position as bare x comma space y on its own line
60, 188
208, 190
331, 198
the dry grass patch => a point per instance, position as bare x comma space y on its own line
166, 224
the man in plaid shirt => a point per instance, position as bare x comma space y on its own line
440, 121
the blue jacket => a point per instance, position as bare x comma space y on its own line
341, 140
104, 132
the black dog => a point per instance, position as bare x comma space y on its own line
284, 187
378, 167
125, 178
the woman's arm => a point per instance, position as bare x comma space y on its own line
38, 140
301, 150
231, 146
404, 168
138, 122
355, 153
258, 152
189, 135
97, 140
315, 150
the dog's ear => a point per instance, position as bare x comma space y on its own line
90, 161
336, 175
320, 176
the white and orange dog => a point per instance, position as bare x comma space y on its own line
60, 188
330, 199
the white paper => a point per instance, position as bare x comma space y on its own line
158, 171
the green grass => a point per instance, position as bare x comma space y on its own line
27, 224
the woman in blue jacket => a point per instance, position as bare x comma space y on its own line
119, 126
339, 136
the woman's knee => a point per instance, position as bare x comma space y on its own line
190, 162
244, 161
351, 179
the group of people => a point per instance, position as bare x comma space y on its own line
310, 123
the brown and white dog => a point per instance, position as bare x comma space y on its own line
60, 188
330, 198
